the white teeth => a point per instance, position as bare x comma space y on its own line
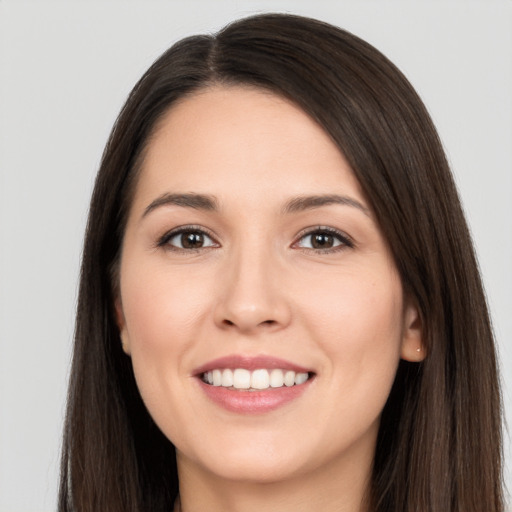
240, 378
276, 379
289, 378
227, 378
260, 379
300, 378
217, 377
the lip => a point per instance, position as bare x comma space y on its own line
252, 402
250, 363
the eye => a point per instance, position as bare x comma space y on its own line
324, 239
188, 238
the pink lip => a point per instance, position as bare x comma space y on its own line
251, 402
249, 363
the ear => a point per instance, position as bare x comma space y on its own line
413, 348
121, 324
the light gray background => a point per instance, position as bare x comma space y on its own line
65, 70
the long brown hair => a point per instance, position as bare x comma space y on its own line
439, 444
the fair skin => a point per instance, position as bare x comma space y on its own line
223, 257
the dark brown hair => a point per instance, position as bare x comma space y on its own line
439, 444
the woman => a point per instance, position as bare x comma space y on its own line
279, 306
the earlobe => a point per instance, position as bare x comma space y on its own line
121, 325
125, 342
413, 348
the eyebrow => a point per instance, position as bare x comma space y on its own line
301, 203
209, 203
188, 200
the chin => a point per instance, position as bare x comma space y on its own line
256, 470
257, 459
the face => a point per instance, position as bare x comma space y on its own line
259, 302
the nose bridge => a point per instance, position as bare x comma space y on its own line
251, 297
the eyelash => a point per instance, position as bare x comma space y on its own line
167, 237
344, 240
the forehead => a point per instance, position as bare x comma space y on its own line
242, 143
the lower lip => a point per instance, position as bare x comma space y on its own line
253, 402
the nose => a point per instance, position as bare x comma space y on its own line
252, 297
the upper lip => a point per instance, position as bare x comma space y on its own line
250, 363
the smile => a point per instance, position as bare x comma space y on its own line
256, 380
253, 384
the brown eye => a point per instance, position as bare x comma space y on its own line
192, 240
324, 240
187, 239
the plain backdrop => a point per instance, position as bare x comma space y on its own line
65, 70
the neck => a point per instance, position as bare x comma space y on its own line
329, 488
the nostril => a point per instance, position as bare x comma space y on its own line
230, 323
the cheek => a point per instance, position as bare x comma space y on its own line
356, 312
358, 323
358, 326
163, 313
160, 308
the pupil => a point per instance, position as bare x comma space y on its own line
322, 241
192, 240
